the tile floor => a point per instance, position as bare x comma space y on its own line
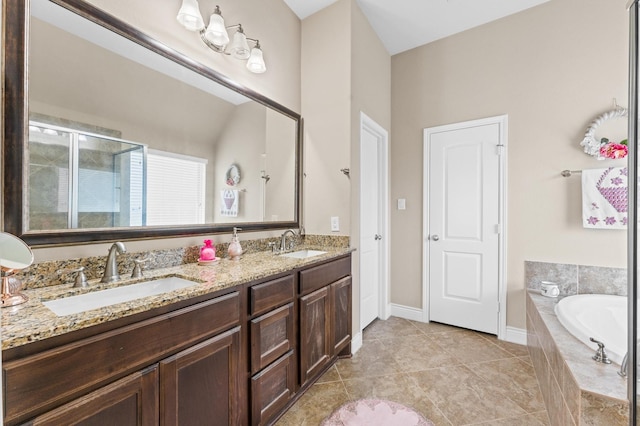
452, 376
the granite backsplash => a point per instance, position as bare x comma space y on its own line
58, 272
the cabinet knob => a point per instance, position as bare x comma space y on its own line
435, 238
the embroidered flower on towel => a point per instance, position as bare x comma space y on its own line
617, 181
610, 220
593, 220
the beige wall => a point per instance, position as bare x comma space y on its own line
278, 29
552, 69
326, 100
344, 71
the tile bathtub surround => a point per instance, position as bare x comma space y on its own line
51, 273
576, 390
577, 279
449, 375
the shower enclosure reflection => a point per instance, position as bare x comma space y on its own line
80, 180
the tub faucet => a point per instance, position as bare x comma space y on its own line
111, 268
623, 367
601, 354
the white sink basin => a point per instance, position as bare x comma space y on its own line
303, 254
98, 299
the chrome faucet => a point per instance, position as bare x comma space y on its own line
623, 367
111, 268
601, 353
283, 239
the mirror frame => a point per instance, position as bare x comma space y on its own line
15, 132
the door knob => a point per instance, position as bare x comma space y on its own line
378, 237
435, 238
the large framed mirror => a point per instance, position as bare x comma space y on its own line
109, 135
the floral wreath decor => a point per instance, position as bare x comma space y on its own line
603, 148
233, 175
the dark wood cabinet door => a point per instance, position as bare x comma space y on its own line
130, 401
315, 333
201, 385
340, 315
272, 388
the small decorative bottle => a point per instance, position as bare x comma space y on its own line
235, 249
208, 251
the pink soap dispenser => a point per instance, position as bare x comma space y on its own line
208, 251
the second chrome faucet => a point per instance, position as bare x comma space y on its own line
111, 268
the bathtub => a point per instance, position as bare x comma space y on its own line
601, 316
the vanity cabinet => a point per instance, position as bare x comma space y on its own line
325, 316
237, 357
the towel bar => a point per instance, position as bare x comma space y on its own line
568, 173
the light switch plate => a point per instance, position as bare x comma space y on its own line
335, 223
402, 204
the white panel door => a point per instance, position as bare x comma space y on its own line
370, 226
463, 226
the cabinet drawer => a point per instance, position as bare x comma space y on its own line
265, 296
319, 276
272, 389
272, 335
42, 381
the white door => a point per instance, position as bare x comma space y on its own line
463, 226
372, 220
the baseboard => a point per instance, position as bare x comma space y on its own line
516, 335
407, 312
356, 343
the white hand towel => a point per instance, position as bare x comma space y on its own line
604, 198
230, 201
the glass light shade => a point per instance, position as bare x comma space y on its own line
239, 46
216, 32
189, 15
256, 63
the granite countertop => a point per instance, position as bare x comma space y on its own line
593, 377
32, 321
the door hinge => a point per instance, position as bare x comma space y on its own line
498, 307
498, 228
499, 149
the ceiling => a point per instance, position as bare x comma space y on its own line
405, 24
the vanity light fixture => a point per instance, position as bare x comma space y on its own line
216, 37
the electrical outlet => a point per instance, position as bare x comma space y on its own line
335, 223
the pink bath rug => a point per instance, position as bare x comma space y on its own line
375, 412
